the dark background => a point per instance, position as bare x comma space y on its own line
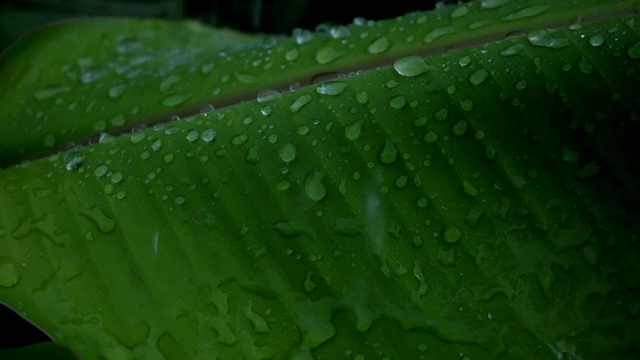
266, 16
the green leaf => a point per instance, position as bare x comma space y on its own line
464, 188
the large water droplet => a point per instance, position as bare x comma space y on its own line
240, 139
389, 152
411, 66
397, 102
544, 38
332, 88
526, 12
208, 135
314, 186
340, 32
192, 135
460, 12
302, 36
470, 188
478, 77
327, 54
288, 152
378, 45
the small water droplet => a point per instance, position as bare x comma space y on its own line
530, 11
389, 153
478, 77
492, 4
179, 199
137, 137
49, 140
314, 186
466, 105
117, 90
245, 78
168, 158
9, 275
117, 177
634, 51
302, 36
208, 135
452, 234
362, 97
474, 216
309, 285
378, 45
268, 95
292, 54
585, 65
596, 40
206, 68
451, 89
570, 156
50, 91
397, 102
206, 109
192, 135
327, 54
332, 88
464, 61
460, 128
175, 99
469, 188
240, 139
168, 81
75, 162
340, 32
411, 66
353, 131
299, 103
303, 130
430, 136
512, 50
437, 33
460, 12
288, 152
521, 85
423, 202
441, 115
490, 152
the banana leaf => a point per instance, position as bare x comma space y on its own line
458, 183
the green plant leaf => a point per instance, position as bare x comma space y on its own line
478, 202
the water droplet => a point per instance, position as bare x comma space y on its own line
240, 139
192, 135
411, 66
420, 121
167, 82
492, 4
137, 137
179, 199
75, 162
101, 170
362, 97
156, 145
530, 11
585, 65
168, 158
460, 12
478, 77
437, 33
596, 40
118, 120
430, 136
49, 140
206, 68
299, 103
452, 234
423, 202
570, 156
104, 223
466, 105
340, 32
208, 135
352, 131
397, 102
634, 51
544, 38
441, 115
451, 89
117, 177
332, 88
327, 54
245, 78
464, 61
378, 45
474, 216
117, 90
469, 188
389, 153
309, 285
175, 100
314, 186
288, 152
292, 54
512, 50
302, 36
268, 95
303, 130
50, 92
490, 152
460, 128
521, 85
9, 275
